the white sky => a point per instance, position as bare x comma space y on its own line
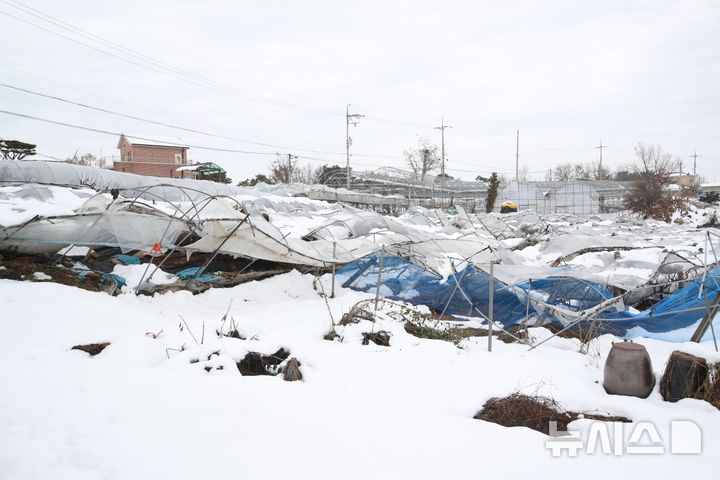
566, 74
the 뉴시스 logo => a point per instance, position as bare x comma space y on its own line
616, 438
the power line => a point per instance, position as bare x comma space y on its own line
512, 144
198, 147
150, 64
159, 66
210, 134
85, 92
126, 51
155, 122
96, 38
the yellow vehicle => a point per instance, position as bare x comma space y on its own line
508, 207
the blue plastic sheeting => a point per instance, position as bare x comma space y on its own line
114, 278
127, 259
676, 311
465, 293
189, 273
106, 278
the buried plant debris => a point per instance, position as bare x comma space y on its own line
710, 388
454, 335
535, 412
357, 313
91, 348
457, 334
25, 267
256, 363
381, 338
291, 370
332, 335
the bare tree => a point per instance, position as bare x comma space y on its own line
86, 159
423, 159
285, 169
651, 195
306, 174
523, 174
282, 168
565, 172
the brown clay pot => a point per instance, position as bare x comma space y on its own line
683, 377
628, 371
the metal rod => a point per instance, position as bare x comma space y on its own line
379, 280
491, 300
332, 289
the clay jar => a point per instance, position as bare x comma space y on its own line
628, 371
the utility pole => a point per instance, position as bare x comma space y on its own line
442, 128
350, 119
517, 156
600, 169
694, 156
290, 158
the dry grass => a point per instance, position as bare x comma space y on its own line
535, 412
358, 312
710, 389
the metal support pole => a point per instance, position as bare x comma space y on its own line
379, 279
707, 320
517, 156
491, 299
332, 290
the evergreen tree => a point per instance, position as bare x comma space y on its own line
15, 149
492, 192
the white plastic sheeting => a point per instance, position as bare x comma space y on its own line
114, 227
254, 237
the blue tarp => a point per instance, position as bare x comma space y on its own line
127, 259
402, 280
678, 310
189, 273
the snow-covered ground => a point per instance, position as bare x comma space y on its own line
166, 400
141, 409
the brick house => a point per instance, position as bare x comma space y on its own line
160, 157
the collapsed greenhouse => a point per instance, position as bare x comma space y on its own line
599, 273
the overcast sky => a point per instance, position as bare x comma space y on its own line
567, 74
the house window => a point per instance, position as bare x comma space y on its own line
178, 158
